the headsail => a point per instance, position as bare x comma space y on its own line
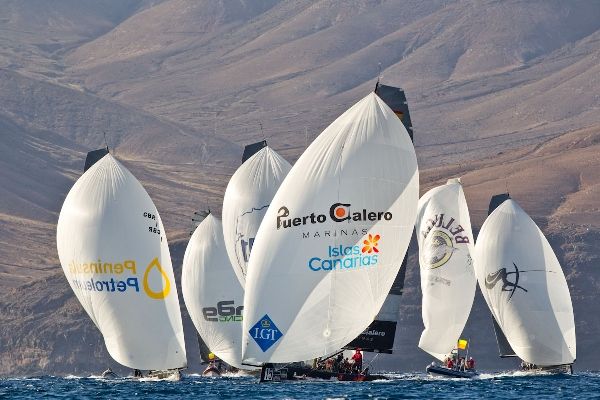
114, 253
333, 239
246, 200
447, 277
525, 288
212, 294
379, 335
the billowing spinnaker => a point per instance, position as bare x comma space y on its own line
245, 203
114, 253
333, 239
447, 277
213, 296
525, 288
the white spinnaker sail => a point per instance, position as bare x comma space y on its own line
525, 288
303, 299
212, 293
245, 203
113, 250
447, 277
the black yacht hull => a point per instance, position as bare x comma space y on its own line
451, 373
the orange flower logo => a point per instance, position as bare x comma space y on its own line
370, 245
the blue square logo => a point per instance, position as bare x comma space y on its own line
265, 333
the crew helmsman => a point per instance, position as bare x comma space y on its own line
471, 363
357, 358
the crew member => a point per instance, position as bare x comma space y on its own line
338, 362
471, 363
357, 358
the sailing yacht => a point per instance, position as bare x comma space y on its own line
215, 262
247, 197
333, 239
448, 279
212, 294
525, 289
114, 253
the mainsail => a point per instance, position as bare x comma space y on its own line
525, 288
113, 250
333, 239
504, 348
246, 200
379, 335
447, 277
211, 292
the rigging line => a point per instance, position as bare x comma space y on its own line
373, 360
262, 133
105, 142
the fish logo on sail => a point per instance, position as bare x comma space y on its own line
159, 295
440, 238
438, 249
507, 286
265, 333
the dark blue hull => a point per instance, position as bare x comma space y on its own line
452, 373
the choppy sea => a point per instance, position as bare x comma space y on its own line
583, 385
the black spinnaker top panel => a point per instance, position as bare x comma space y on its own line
496, 200
396, 99
252, 149
503, 346
93, 157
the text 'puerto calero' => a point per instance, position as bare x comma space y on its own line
338, 212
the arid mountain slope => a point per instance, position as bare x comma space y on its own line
479, 75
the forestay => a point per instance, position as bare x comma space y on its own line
212, 294
525, 288
333, 239
245, 203
114, 253
447, 276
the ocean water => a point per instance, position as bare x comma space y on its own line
401, 386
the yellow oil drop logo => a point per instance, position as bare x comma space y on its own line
167, 287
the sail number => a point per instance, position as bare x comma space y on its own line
155, 228
225, 311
